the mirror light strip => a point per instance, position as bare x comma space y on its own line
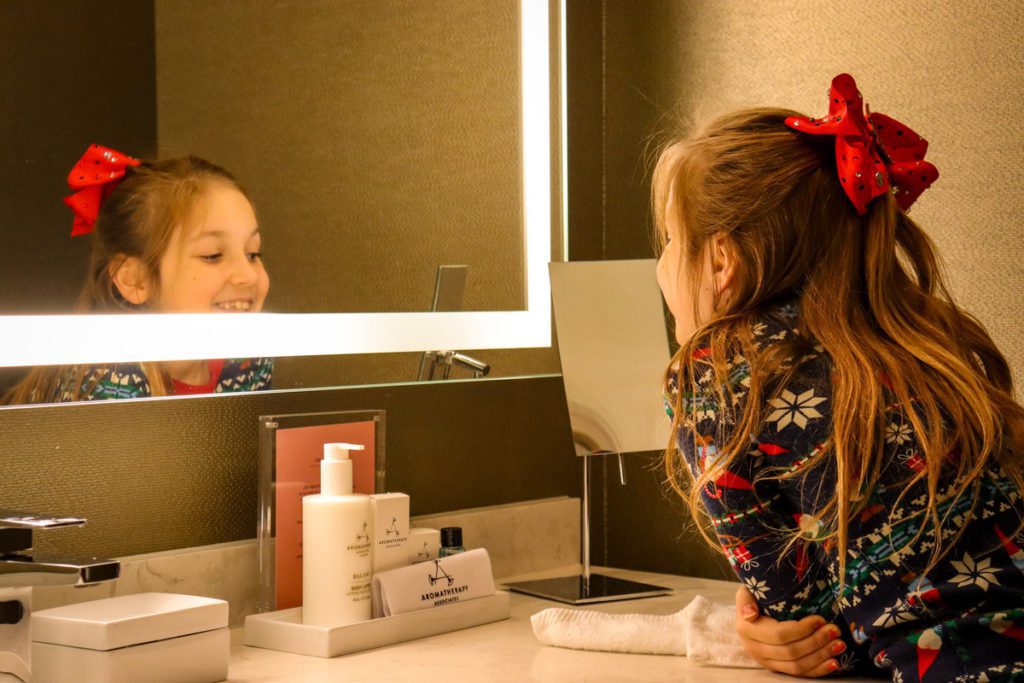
535, 39
267, 334
563, 118
51, 340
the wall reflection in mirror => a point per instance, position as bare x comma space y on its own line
375, 140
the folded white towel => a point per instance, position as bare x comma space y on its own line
711, 635
703, 630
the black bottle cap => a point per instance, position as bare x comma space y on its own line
11, 611
451, 537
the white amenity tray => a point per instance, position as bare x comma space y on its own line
283, 630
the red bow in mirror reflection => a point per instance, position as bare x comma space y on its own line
94, 177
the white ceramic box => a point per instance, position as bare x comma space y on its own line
153, 637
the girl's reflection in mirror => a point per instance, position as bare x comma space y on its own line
172, 236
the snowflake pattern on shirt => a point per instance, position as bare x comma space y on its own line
963, 621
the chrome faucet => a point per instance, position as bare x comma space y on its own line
18, 567
432, 360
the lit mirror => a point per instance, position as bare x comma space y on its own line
377, 140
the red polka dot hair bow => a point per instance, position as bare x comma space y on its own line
874, 154
94, 177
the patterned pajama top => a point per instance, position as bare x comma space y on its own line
962, 621
127, 380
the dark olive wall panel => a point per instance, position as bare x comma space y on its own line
644, 525
158, 474
72, 73
621, 99
585, 111
379, 139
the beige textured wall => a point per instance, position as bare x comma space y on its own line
379, 139
948, 70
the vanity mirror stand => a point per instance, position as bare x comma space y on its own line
588, 587
614, 349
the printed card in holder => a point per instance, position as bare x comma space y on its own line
291, 447
445, 581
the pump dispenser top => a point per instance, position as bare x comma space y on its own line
336, 469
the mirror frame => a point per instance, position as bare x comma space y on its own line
80, 339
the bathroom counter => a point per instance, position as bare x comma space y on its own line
506, 650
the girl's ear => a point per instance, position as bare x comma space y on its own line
129, 276
723, 265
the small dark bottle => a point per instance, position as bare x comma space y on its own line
451, 541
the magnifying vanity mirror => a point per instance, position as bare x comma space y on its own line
377, 139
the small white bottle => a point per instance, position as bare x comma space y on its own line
336, 545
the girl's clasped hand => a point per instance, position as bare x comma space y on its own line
805, 647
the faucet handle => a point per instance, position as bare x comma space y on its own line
30, 520
16, 529
14, 540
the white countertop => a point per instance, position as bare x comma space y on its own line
506, 651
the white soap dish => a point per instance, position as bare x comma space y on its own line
155, 637
283, 630
111, 623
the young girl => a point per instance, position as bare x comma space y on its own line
173, 236
847, 432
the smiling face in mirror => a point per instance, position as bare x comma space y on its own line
214, 265
172, 236
175, 236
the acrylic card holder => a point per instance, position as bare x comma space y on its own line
290, 448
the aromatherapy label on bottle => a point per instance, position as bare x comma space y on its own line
390, 514
360, 546
359, 589
423, 545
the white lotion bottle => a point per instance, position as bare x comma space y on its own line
336, 557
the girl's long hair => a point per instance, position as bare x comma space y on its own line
870, 290
136, 220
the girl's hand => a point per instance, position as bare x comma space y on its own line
800, 648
